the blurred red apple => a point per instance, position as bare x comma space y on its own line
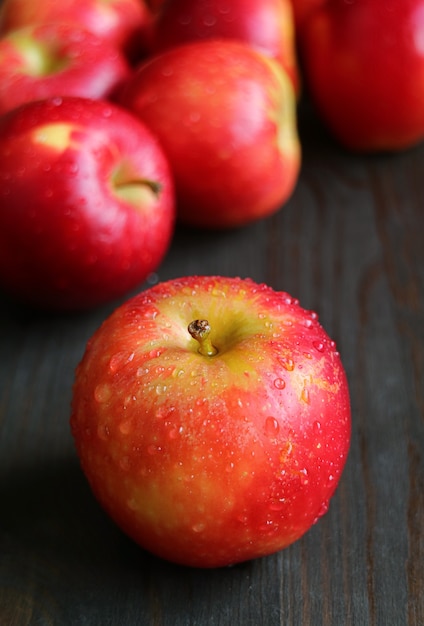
212, 419
226, 117
57, 59
302, 9
86, 203
364, 67
117, 22
267, 25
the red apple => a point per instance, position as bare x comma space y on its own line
302, 9
267, 25
364, 66
226, 117
212, 419
57, 60
117, 22
87, 204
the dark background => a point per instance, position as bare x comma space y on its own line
349, 245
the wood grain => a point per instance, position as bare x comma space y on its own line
348, 244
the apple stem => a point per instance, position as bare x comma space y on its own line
200, 330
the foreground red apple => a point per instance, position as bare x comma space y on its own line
117, 22
364, 66
212, 419
226, 117
267, 25
57, 60
86, 203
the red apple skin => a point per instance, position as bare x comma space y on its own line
226, 117
57, 60
87, 203
212, 460
117, 22
267, 25
364, 67
302, 9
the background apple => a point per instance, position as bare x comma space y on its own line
267, 25
363, 64
226, 117
87, 204
123, 23
302, 9
57, 60
209, 458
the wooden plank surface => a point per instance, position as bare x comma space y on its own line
350, 245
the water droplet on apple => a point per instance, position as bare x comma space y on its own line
103, 432
279, 383
160, 389
330, 478
124, 463
173, 433
150, 313
305, 395
322, 511
277, 505
199, 527
209, 20
132, 504
152, 449
304, 476
223, 8
153, 354
125, 427
272, 426
318, 345
102, 393
118, 360
287, 363
316, 426
184, 19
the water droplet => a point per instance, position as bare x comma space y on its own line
161, 412
316, 426
272, 426
102, 393
184, 19
318, 345
279, 383
132, 504
119, 359
124, 463
125, 427
304, 476
287, 363
150, 313
160, 389
322, 511
152, 449
277, 505
173, 433
199, 527
103, 431
305, 395
209, 20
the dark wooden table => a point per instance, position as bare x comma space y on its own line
350, 245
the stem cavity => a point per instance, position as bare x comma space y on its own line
200, 331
